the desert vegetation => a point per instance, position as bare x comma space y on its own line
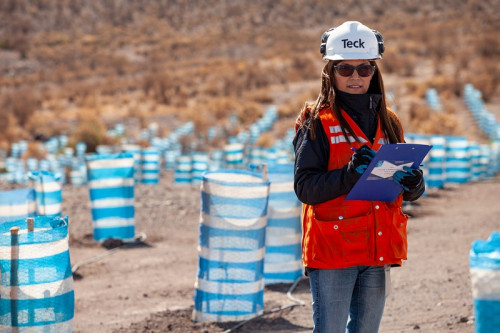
77, 67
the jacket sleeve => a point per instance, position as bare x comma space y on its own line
313, 183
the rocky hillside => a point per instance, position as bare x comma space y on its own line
66, 64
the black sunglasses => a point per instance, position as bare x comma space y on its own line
347, 70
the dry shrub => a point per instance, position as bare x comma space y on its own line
201, 119
395, 62
262, 96
44, 125
415, 88
486, 45
249, 112
419, 111
440, 123
158, 85
13, 132
91, 130
22, 103
292, 107
222, 107
426, 121
35, 150
281, 127
445, 85
265, 140
487, 82
303, 67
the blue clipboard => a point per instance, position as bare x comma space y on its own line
376, 182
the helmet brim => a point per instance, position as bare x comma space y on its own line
353, 56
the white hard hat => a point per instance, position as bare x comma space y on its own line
352, 40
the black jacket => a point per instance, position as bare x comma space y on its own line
313, 183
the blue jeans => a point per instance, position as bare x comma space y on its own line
354, 293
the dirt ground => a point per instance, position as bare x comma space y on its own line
149, 287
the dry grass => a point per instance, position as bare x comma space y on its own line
214, 59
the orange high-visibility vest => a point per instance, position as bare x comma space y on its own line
342, 233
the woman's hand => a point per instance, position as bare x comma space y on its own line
361, 159
409, 179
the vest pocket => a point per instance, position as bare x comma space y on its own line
350, 238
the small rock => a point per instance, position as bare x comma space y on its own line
416, 327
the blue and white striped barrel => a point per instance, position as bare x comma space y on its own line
495, 155
77, 178
183, 173
216, 160
230, 280
48, 193
271, 156
484, 160
475, 167
283, 260
150, 170
32, 164
67, 158
52, 145
15, 150
16, 170
170, 155
78, 173
135, 150
104, 150
436, 163
44, 165
200, 166
457, 160
484, 259
282, 156
81, 149
111, 183
56, 167
257, 155
37, 283
233, 153
17, 204
63, 140
424, 140
432, 97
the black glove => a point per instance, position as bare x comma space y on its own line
409, 179
360, 159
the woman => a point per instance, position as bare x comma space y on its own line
349, 246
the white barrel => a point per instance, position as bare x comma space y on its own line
484, 259
458, 168
17, 204
36, 293
183, 173
135, 150
150, 166
283, 259
200, 166
230, 280
436, 163
48, 192
111, 185
233, 153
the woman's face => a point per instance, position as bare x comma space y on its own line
353, 84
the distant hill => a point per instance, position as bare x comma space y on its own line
63, 61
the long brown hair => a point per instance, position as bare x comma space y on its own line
327, 99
